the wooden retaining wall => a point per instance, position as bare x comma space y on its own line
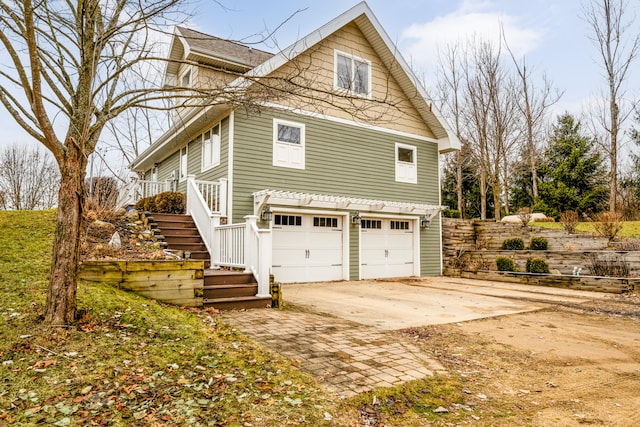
172, 282
584, 283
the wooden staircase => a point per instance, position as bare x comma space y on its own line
223, 289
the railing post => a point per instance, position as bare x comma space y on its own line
215, 239
191, 195
249, 257
264, 266
222, 197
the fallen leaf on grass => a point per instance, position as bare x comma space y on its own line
44, 364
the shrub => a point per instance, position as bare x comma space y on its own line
539, 244
170, 202
514, 244
525, 215
147, 204
505, 264
569, 220
451, 213
608, 266
608, 224
537, 265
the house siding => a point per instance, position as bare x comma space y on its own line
364, 167
390, 106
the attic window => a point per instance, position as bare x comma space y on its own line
185, 81
352, 74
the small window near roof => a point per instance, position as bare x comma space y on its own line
352, 74
406, 164
288, 144
185, 81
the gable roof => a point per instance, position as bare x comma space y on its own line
370, 27
203, 48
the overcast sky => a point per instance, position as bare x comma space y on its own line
550, 33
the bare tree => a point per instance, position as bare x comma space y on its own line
28, 178
75, 66
450, 87
534, 104
492, 120
618, 42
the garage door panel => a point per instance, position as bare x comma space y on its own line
310, 250
386, 249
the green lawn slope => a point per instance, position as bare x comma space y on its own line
129, 360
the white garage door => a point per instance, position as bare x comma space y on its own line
386, 248
307, 248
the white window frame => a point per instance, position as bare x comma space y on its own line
183, 163
287, 148
353, 58
214, 143
403, 167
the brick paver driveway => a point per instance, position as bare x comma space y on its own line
351, 347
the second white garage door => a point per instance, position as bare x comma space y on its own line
386, 248
307, 248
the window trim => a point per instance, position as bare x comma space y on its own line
182, 174
353, 58
277, 143
414, 178
203, 166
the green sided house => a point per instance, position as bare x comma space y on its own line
331, 174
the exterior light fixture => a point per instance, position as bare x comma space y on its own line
267, 214
355, 219
425, 221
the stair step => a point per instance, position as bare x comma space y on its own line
174, 224
171, 239
229, 291
170, 217
169, 231
237, 303
224, 277
191, 247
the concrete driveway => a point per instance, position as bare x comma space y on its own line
396, 304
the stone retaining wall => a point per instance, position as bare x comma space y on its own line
585, 283
562, 261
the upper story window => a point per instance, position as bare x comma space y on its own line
352, 74
211, 148
185, 80
406, 163
288, 144
183, 162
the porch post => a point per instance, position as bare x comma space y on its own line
191, 196
264, 265
250, 257
222, 197
214, 253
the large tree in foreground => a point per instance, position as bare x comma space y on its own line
68, 76
75, 65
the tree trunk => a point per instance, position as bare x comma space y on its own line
483, 195
613, 153
61, 298
459, 182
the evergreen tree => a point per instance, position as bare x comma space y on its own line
572, 176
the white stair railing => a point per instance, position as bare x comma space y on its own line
230, 239
150, 188
234, 245
206, 221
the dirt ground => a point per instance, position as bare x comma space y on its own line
564, 365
